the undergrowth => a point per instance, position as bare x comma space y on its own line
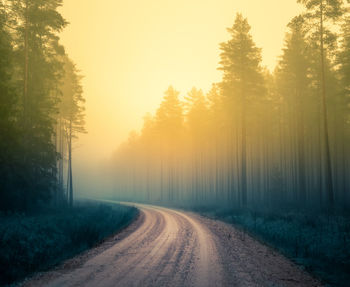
320, 243
31, 243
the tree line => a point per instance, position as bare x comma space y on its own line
257, 138
41, 106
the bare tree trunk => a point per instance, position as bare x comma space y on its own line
55, 171
60, 164
244, 154
70, 165
26, 60
301, 149
328, 167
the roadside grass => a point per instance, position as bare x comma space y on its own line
29, 244
319, 243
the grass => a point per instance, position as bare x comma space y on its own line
320, 243
38, 242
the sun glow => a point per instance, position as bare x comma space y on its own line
131, 51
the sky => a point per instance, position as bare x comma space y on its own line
129, 52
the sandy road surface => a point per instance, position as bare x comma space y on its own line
172, 248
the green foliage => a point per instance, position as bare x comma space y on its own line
240, 63
71, 106
10, 134
197, 112
343, 61
32, 64
169, 116
332, 9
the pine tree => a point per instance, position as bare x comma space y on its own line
169, 126
242, 81
343, 61
197, 124
37, 24
10, 136
197, 112
169, 116
293, 85
320, 12
71, 112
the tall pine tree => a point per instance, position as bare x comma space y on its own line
319, 14
242, 82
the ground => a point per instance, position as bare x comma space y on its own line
166, 247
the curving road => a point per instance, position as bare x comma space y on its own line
165, 247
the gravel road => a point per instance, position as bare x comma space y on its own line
166, 247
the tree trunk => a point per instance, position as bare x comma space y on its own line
26, 60
301, 149
60, 164
70, 165
328, 167
244, 155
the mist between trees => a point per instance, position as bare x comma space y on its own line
257, 138
41, 106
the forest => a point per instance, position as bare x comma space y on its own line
267, 151
258, 139
260, 159
41, 114
41, 104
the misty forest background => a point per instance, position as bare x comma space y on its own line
266, 150
257, 139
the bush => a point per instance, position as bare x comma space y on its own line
35, 243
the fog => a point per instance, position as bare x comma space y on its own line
237, 111
130, 52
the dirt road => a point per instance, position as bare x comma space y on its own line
166, 247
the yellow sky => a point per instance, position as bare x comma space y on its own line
130, 51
